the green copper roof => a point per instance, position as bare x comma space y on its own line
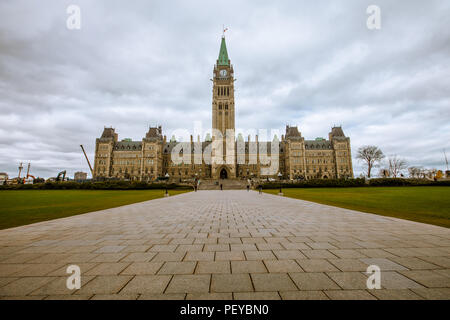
223, 54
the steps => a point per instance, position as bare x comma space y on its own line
228, 184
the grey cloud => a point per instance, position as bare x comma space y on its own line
144, 63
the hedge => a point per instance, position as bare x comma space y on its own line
99, 185
358, 182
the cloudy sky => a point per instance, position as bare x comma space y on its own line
133, 64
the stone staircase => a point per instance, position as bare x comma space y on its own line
228, 184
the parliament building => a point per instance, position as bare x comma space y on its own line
223, 155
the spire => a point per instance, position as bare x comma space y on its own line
223, 54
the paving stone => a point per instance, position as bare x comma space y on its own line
110, 249
313, 281
58, 286
282, 266
303, 295
248, 267
395, 280
320, 245
184, 267
269, 246
189, 247
217, 247
84, 267
132, 296
383, 263
414, 263
376, 253
103, 285
383, 294
142, 268
428, 278
231, 283
146, 284
288, 254
316, 265
8, 269
318, 254
108, 257
108, 268
163, 247
439, 261
199, 256
38, 269
24, 286
349, 264
433, 293
349, 295
139, 257
189, 284
273, 282
168, 256
243, 247
230, 255
347, 253
293, 246
65, 297
210, 267
256, 296
161, 296
349, 280
209, 296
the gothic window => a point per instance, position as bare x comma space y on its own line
226, 106
218, 93
220, 106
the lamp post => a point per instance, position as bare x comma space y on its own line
167, 182
279, 178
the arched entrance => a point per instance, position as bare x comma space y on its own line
223, 174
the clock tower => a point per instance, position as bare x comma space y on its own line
223, 92
223, 151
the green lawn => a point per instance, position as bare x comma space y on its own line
29, 206
422, 204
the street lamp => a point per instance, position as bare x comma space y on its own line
279, 177
167, 181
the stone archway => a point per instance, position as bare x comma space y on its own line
223, 174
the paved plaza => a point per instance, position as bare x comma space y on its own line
225, 245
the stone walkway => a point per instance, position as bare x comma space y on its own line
225, 245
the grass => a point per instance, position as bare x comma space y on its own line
29, 206
423, 204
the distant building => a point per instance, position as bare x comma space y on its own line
3, 177
80, 176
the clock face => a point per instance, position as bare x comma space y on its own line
223, 73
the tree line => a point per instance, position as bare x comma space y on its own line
393, 167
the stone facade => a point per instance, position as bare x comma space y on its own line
223, 155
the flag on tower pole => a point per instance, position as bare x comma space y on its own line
224, 29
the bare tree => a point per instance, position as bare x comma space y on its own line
396, 165
371, 155
414, 172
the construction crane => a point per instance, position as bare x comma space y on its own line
446, 161
20, 170
28, 173
90, 167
